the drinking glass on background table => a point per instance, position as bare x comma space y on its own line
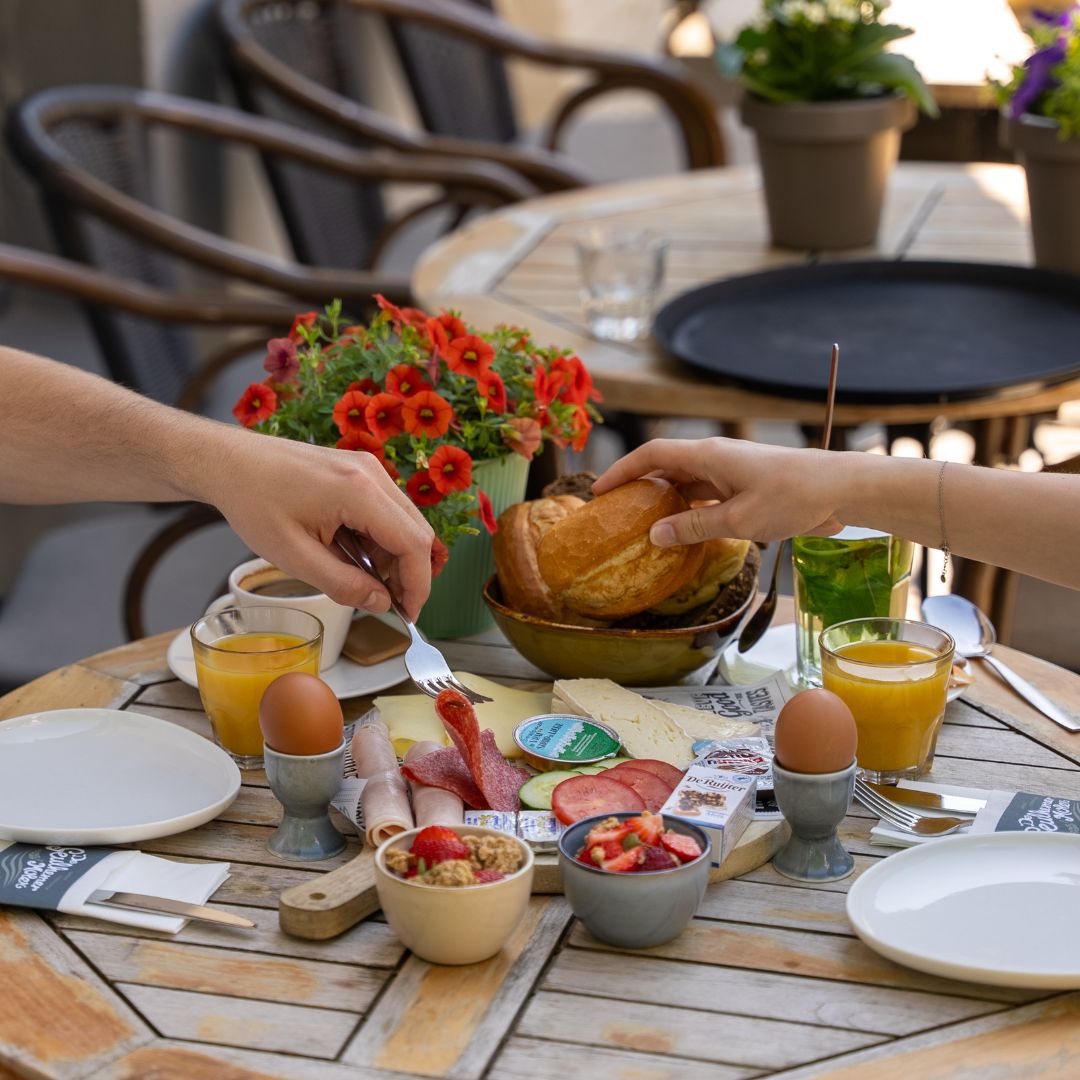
857, 574
621, 274
894, 676
239, 652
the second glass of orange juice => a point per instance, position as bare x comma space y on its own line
894, 676
239, 652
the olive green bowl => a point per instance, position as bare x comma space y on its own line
629, 657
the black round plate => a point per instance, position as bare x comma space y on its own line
909, 332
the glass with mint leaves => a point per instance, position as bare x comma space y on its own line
856, 574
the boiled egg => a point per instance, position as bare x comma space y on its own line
815, 733
300, 715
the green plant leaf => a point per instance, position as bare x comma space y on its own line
868, 39
896, 73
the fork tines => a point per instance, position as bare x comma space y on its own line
434, 687
883, 807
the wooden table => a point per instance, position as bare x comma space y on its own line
768, 978
519, 266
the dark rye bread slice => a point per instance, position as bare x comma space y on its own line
579, 484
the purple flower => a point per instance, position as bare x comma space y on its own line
281, 361
1059, 18
1038, 78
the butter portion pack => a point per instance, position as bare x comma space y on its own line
719, 802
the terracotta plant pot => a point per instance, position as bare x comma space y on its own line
1052, 167
825, 165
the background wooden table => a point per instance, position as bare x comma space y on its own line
519, 266
768, 978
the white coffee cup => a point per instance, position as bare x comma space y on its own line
244, 592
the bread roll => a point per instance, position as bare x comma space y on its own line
520, 530
599, 560
723, 559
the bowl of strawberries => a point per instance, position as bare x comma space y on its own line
634, 879
453, 894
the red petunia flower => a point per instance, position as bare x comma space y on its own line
349, 412
582, 425
440, 556
407, 316
453, 326
383, 415
451, 469
281, 361
469, 355
525, 436
490, 386
437, 337
256, 403
309, 318
542, 387
406, 380
365, 386
427, 413
487, 513
362, 440
570, 381
422, 490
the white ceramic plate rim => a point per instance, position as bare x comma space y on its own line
863, 894
381, 676
124, 834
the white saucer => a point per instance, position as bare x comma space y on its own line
100, 776
775, 652
346, 678
998, 909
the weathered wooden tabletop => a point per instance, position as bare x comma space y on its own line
768, 978
519, 266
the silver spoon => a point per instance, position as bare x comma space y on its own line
760, 621
974, 635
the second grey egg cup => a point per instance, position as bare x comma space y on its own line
814, 804
304, 785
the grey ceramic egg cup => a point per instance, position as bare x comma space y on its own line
304, 785
814, 804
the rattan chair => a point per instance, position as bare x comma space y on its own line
290, 55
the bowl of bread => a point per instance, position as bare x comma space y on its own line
582, 592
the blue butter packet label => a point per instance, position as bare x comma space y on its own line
38, 877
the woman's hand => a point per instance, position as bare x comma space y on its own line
764, 492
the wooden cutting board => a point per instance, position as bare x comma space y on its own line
338, 900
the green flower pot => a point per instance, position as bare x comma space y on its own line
456, 606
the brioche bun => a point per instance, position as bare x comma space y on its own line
599, 561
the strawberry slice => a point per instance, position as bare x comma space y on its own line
656, 858
484, 876
437, 843
684, 848
624, 861
600, 835
648, 827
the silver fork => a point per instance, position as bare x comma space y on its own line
902, 818
425, 664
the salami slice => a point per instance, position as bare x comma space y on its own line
445, 768
498, 781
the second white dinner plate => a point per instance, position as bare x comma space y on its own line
101, 776
998, 909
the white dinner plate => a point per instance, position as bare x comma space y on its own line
775, 652
101, 776
997, 909
346, 678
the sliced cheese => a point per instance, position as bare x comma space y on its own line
699, 724
645, 729
411, 718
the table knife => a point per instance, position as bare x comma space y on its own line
1032, 694
928, 800
162, 906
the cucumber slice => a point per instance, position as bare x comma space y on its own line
611, 762
588, 770
536, 793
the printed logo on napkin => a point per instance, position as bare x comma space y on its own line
38, 877
761, 703
1039, 813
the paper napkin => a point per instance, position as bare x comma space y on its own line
60, 878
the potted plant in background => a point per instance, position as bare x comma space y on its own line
827, 104
454, 416
1041, 123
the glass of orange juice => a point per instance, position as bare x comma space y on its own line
894, 676
239, 652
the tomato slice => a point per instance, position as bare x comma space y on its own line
586, 796
653, 791
668, 773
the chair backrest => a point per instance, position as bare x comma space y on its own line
460, 88
154, 358
330, 220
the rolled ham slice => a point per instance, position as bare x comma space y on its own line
432, 805
385, 798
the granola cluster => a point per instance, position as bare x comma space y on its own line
442, 858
